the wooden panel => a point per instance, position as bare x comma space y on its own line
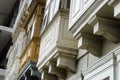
30, 53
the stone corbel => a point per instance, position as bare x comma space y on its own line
107, 28
46, 76
91, 43
59, 72
66, 62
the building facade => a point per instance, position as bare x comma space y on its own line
65, 40
23, 54
95, 24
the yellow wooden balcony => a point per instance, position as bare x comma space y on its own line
30, 53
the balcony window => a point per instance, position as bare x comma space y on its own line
57, 4
68, 4
32, 30
44, 22
52, 9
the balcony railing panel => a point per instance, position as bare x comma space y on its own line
30, 53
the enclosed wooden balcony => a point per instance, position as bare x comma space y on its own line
27, 10
94, 21
31, 25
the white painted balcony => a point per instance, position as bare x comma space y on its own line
58, 44
92, 20
58, 48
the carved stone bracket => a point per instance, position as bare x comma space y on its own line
91, 43
66, 62
46, 76
58, 67
59, 72
107, 28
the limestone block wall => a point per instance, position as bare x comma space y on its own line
13, 58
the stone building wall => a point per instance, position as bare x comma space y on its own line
86, 48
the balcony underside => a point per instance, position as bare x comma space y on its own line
58, 67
